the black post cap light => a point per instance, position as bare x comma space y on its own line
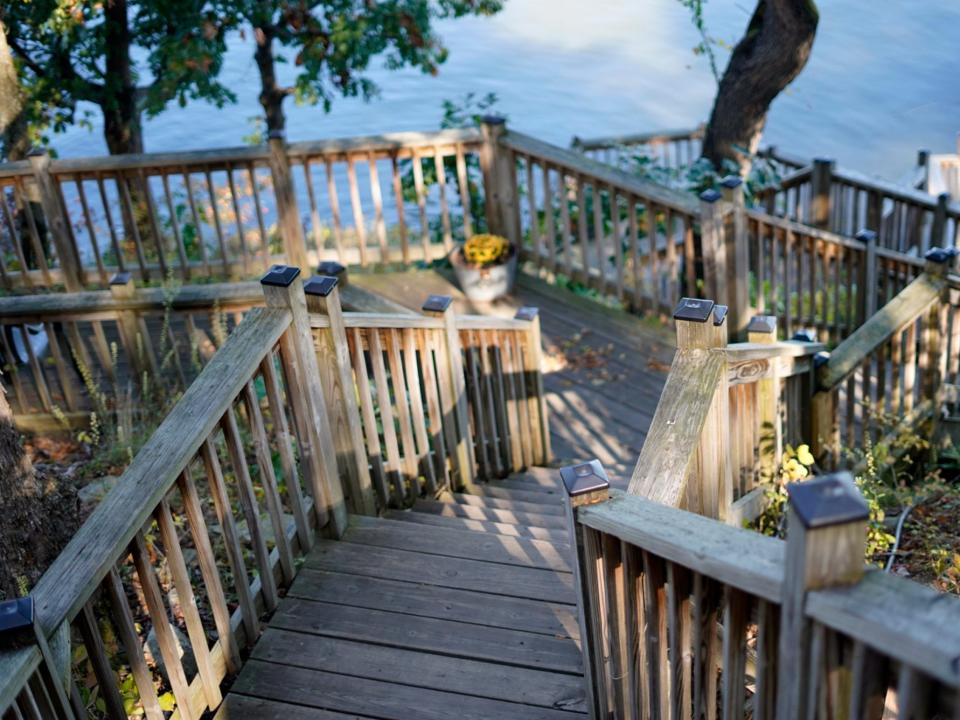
732, 181
693, 309
940, 255
828, 500
280, 276
866, 236
527, 312
766, 324
805, 336
710, 195
584, 478
121, 278
320, 285
16, 622
719, 314
330, 267
437, 303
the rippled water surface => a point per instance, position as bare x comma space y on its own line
883, 81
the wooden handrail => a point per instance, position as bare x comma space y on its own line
68, 583
896, 314
576, 163
643, 138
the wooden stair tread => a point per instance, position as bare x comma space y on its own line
465, 544
453, 509
533, 495
549, 508
376, 698
484, 526
451, 604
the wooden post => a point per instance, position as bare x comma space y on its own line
826, 537
738, 257
587, 484
824, 418
282, 288
712, 247
336, 373
938, 229
533, 365
763, 330
938, 262
57, 223
868, 275
499, 181
701, 326
135, 340
441, 306
820, 181
291, 229
923, 163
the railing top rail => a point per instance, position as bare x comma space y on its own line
579, 164
798, 176
910, 622
906, 307
806, 230
797, 162
737, 352
386, 143
891, 190
18, 309
386, 321
16, 667
70, 580
733, 556
642, 138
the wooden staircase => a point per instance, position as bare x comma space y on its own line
461, 607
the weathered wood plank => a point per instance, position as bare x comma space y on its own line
422, 670
477, 575
388, 701
557, 537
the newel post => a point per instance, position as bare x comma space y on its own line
291, 229
868, 275
453, 388
336, 373
938, 230
820, 181
283, 288
826, 538
133, 334
738, 256
533, 367
938, 262
763, 331
588, 484
499, 181
57, 224
712, 246
701, 325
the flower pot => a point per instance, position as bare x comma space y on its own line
484, 284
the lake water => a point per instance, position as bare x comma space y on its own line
883, 81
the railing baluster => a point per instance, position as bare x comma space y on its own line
416, 404
444, 207
374, 452
397, 185
97, 655
377, 195
358, 222
175, 224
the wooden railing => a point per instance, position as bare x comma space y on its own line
303, 414
603, 227
239, 412
895, 365
233, 212
843, 201
682, 616
65, 355
724, 415
668, 148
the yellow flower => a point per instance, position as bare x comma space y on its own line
804, 455
485, 249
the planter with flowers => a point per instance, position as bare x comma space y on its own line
485, 266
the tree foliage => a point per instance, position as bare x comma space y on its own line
128, 58
333, 43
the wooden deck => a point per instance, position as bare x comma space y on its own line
464, 607
604, 368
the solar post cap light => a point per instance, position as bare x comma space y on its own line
16, 623
584, 478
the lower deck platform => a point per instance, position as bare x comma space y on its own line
426, 613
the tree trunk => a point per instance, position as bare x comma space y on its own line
271, 94
121, 112
772, 53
